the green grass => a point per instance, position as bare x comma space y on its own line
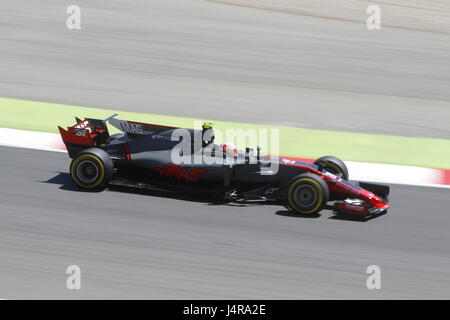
308, 143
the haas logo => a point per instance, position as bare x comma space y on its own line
131, 127
174, 170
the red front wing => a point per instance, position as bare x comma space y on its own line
359, 201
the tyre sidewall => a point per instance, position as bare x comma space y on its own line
103, 163
335, 165
318, 185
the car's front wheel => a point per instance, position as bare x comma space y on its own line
307, 194
91, 168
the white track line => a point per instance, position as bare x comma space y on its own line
31, 140
396, 174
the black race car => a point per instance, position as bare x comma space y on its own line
171, 159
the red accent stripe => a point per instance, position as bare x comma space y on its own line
127, 155
445, 177
294, 158
69, 136
299, 159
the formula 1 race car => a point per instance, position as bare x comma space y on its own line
171, 159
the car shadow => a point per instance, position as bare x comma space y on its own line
65, 182
355, 218
334, 216
288, 213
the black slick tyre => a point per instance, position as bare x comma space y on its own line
307, 194
334, 165
91, 169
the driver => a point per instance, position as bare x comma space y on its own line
228, 148
207, 133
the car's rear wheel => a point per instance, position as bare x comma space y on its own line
307, 194
91, 168
334, 165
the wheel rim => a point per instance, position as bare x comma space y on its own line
87, 171
305, 196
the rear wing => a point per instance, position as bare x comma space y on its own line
133, 128
90, 132
84, 134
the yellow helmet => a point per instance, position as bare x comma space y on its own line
207, 125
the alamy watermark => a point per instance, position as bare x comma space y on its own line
73, 281
199, 147
374, 280
373, 22
73, 22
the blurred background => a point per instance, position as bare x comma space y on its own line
298, 64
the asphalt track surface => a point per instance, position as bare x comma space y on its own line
208, 60
205, 59
131, 245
